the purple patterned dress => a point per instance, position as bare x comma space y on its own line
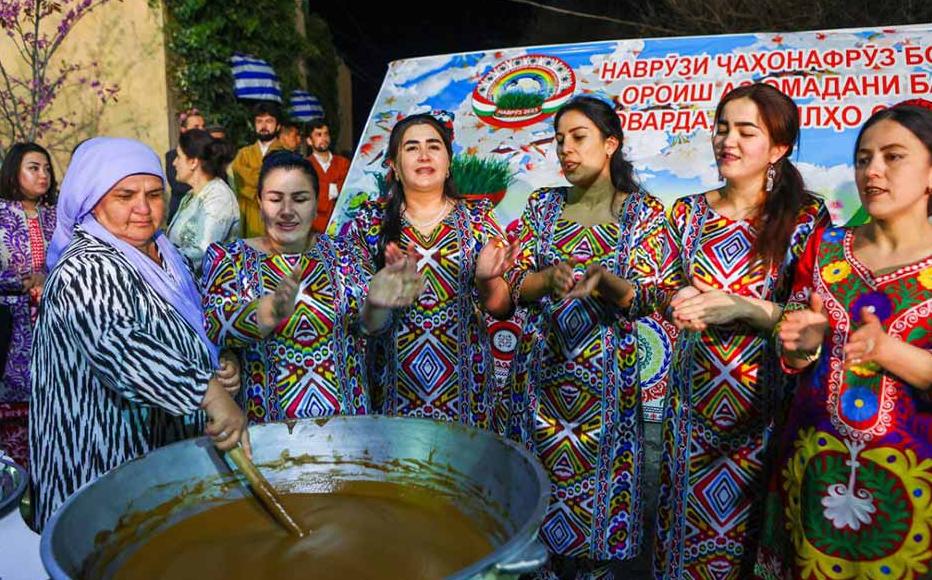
17, 261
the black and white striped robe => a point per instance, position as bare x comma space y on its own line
114, 369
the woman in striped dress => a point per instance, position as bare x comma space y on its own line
120, 345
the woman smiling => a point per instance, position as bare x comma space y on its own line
436, 361
738, 245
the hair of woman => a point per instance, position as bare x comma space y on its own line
9, 173
391, 219
777, 217
214, 154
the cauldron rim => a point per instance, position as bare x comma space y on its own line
513, 547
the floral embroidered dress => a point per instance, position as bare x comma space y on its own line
23, 240
724, 389
313, 364
436, 361
852, 493
575, 396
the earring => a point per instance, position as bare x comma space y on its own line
771, 174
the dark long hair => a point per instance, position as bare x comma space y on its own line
214, 154
917, 120
777, 218
391, 218
603, 116
9, 173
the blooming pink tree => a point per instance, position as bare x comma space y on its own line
29, 84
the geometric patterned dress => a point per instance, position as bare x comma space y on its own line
313, 363
436, 360
724, 395
852, 493
574, 397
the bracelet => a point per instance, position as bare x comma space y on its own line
808, 356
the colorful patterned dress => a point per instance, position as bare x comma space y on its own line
22, 251
313, 364
436, 361
852, 493
575, 396
724, 389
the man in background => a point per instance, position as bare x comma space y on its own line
290, 136
247, 163
331, 171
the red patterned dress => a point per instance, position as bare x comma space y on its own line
575, 395
313, 364
724, 390
436, 361
852, 493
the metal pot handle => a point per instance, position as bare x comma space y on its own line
530, 559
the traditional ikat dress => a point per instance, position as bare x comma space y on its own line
436, 360
724, 389
852, 495
313, 364
575, 396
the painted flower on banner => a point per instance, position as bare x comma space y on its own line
836, 271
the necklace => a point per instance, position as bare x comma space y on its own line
431, 223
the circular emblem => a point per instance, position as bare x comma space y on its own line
504, 335
654, 352
523, 90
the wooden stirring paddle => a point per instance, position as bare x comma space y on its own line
263, 490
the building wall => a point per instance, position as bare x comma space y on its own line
126, 39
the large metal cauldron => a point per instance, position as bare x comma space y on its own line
490, 479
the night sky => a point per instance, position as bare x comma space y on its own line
368, 40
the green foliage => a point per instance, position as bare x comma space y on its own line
202, 35
479, 175
519, 100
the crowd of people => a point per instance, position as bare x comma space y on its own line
797, 430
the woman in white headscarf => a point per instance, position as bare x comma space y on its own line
120, 354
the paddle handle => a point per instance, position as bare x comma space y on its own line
265, 492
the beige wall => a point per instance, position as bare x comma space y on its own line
126, 39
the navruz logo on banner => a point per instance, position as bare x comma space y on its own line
523, 90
